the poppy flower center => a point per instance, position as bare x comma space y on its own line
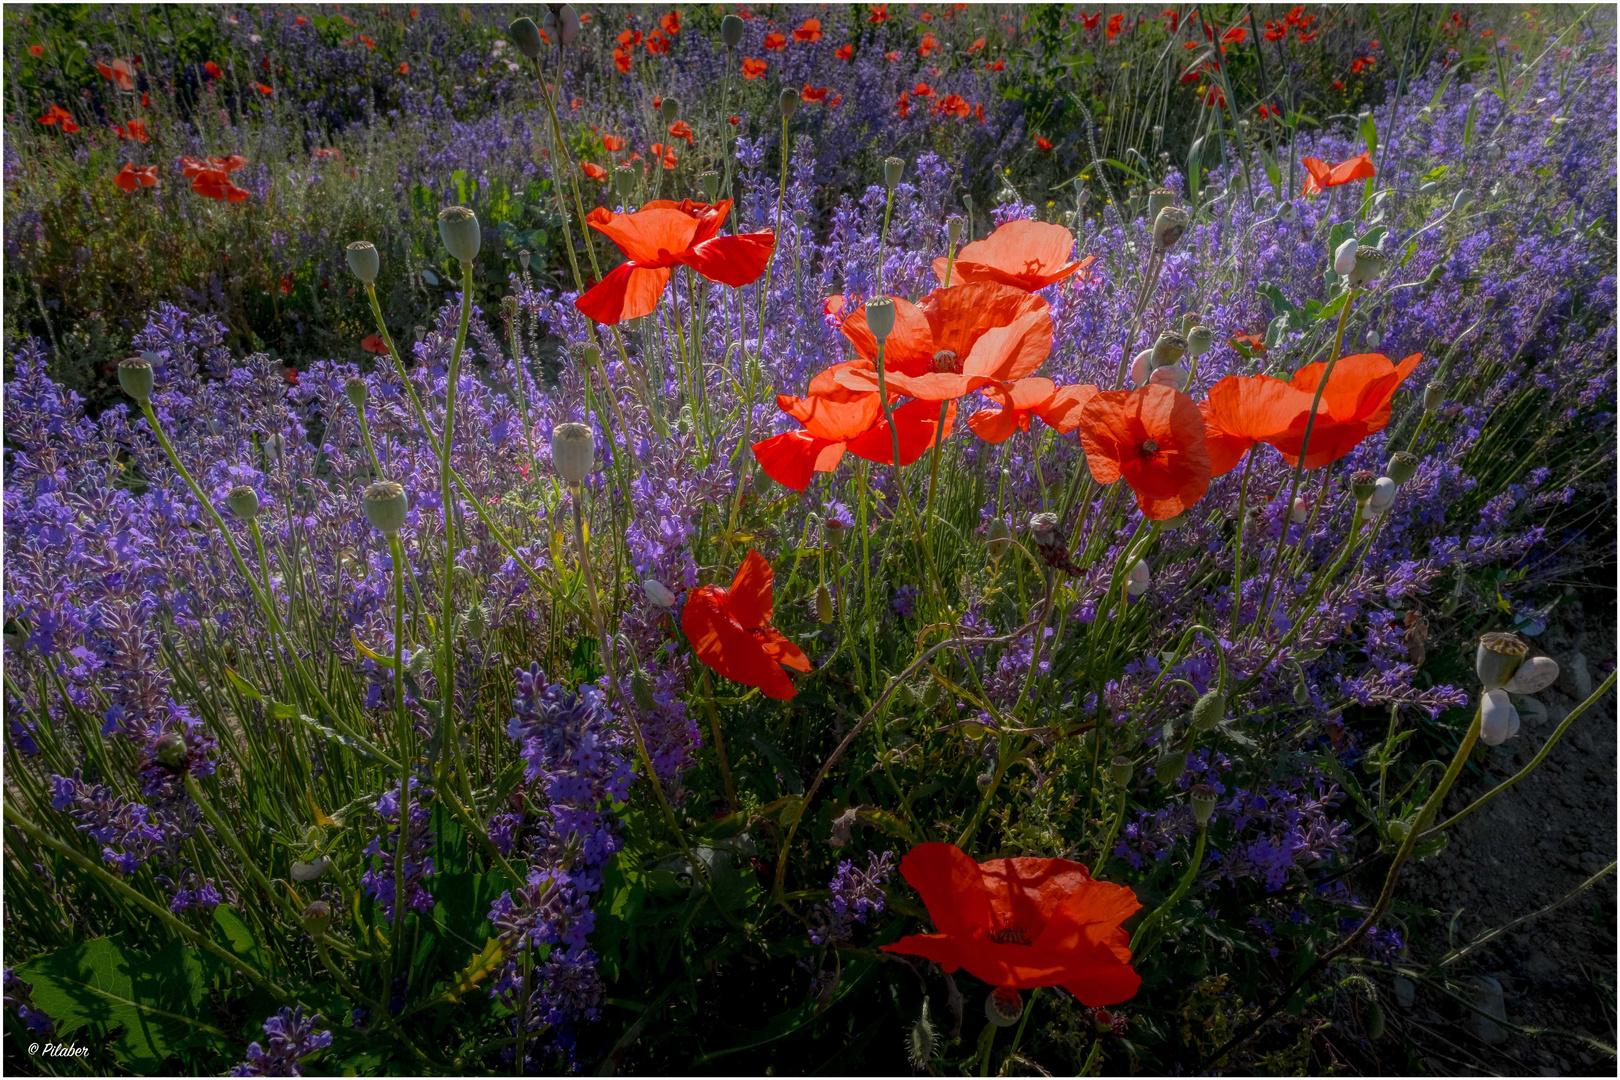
947, 362
1010, 935
1149, 448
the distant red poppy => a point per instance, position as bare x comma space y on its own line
680, 129
954, 105
775, 41
1254, 343
976, 46
953, 341
814, 93
120, 72
327, 153
663, 234
809, 30
36, 50
922, 89
593, 170
880, 14
216, 184
1236, 35
263, 89
1154, 439
753, 69
1058, 407
404, 68
1027, 255
368, 43
999, 65
730, 631
190, 166
1043, 143
1323, 176
1355, 404
622, 59
213, 69
131, 178
58, 115
1115, 24
133, 129
1023, 923
1242, 410
669, 160
845, 52
671, 23
612, 143
373, 343
1091, 20
927, 45
657, 43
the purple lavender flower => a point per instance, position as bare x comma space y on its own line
856, 895
292, 1038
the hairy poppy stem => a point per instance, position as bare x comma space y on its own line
719, 743
1141, 941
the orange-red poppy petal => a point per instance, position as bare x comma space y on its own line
732, 260
1026, 255
1062, 410
783, 651
1241, 410
915, 421
731, 651
750, 595
629, 291
793, 458
910, 345
650, 237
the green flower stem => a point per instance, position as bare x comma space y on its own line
1141, 942
447, 656
1113, 831
122, 890
234, 842
719, 743
1237, 544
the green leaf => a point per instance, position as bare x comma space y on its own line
243, 687
153, 1001
239, 936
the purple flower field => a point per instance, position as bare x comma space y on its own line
869, 539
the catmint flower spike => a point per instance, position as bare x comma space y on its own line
136, 378
573, 452
460, 231
364, 261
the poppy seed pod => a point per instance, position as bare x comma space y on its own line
1175, 378
1141, 367
998, 537
1169, 227
136, 378
669, 108
385, 505
894, 168
1208, 711
1498, 658
1199, 340
509, 307
563, 24
1533, 676
1344, 257
954, 227
731, 31
710, 183
1383, 496
1158, 199
523, 258
1363, 484
799, 218
243, 501
1285, 211
658, 593
354, 388
573, 452
585, 353
170, 750
880, 318
364, 261
1203, 803
310, 871
824, 605
1402, 467
1140, 578
1434, 396
459, 229
1170, 347
1370, 266
526, 36
1004, 1006
832, 533
317, 917
1120, 770
624, 181
788, 102
1498, 719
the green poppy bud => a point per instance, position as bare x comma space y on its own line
1208, 711
1370, 266
1203, 803
364, 261
893, 169
1004, 1006
385, 505
788, 102
1434, 396
573, 452
310, 871
920, 1038
460, 231
1121, 769
824, 605
318, 913
1169, 226
880, 315
170, 750
833, 532
1498, 659
710, 183
1375, 1020
526, 36
731, 31
243, 501
136, 378
998, 537
354, 388
954, 227
1199, 340
1402, 467
1533, 676
476, 622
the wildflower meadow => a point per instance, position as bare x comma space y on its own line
893, 539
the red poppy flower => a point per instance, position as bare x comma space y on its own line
213, 69
880, 14
300, 20
731, 631
58, 115
753, 69
976, 46
373, 343
837, 419
1043, 143
404, 68
120, 72
593, 170
1242, 410
953, 341
671, 23
1355, 404
663, 234
1091, 20
657, 43
131, 178
36, 50
134, 129
775, 41
263, 89
621, 60
629, 38
1153, 438
1027, 255
612, 143
1236, 34
1059, 408
1254, 343
668, 152
809, 30
680, 129
922, 89
1323, 176
845, 52
927, 46
1115, 24
999, 65
955, 105
1023, 923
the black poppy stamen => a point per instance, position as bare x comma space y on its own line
1010, 935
